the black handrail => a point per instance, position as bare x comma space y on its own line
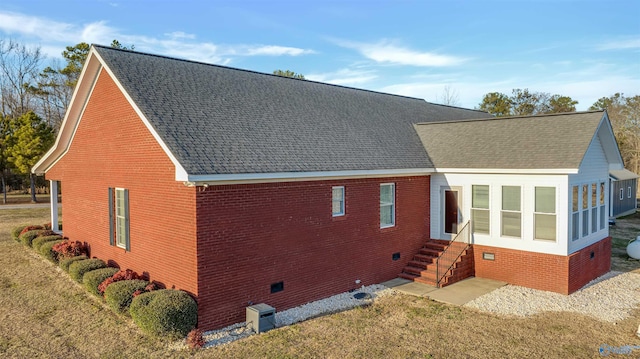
448, 257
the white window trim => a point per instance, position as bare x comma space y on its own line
554, 214
621, 194
629, 192
342, 202
488, 210
392, 204
120, 242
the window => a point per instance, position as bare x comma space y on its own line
545, 213
628, 192
480, 209
585, 210
387, 205
575, 213
119, 217
621, 194
511, 212
337, 201
602, 206
594, 207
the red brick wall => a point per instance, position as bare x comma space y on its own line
250, 236
583, 268
113, 148
555, 273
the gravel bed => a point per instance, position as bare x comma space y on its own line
334, 304
610, 298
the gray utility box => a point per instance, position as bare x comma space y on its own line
261, 317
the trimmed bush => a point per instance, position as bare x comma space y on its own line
66, 262
165, 312
46, 250
122, 275
15, 232
39, 241
68, 249
118, 295
30, 228
92, 279
77, 269
27, 237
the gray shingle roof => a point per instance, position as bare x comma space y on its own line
557, 141
220, 120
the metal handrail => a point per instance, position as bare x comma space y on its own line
445, 258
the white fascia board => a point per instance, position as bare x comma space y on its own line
552, 171
180, 172
245, 178
81, 94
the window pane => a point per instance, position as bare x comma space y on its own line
594, 219
480, 197
511, 224
386, 193
480, 220
602, 216
545, 226
511, 198
585, 196
574, 199
546, 199
337, 205
594, 195
575, 226
386, 215
601, 192
121, 235
585, 223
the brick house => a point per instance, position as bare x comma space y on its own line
241, 187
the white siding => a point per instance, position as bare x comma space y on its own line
496, 181
594, 169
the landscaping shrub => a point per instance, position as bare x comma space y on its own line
118, 295
68, 249
65, 263
27, 237
78, 268
40, 240
91, 280
47, 252
46, 232
165, 312
195, 339
122, 275
15, 232
30, 228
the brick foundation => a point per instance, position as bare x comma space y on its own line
561, 274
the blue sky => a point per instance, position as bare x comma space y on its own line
582, 49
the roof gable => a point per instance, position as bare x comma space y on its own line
553, 143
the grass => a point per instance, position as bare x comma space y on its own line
625, 229
45, 314
21, 198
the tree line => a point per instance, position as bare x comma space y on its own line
33, 103
623, 112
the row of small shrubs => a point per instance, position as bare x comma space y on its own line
161, 312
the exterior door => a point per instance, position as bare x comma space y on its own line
452, 199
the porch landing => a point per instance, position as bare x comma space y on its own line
457, 293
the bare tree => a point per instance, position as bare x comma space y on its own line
19, 67
449, 97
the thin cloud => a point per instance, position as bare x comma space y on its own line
344, 77
625, 44
386, 52
52, 34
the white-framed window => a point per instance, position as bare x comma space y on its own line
545, 213
602, 205
629, 192
511, 215
337, 201
480, 212
575, 213
585, 210
594, 207
387, 205
621, 194
119, 217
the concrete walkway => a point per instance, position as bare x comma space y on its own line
457, 294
